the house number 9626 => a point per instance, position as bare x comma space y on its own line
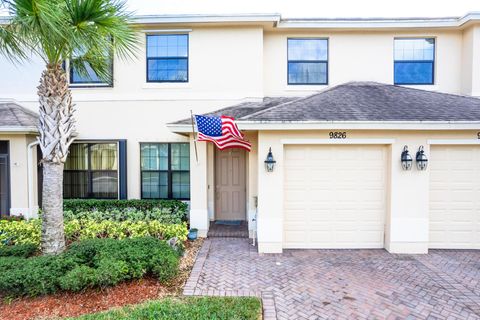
337, 135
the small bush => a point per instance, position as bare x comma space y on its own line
20, 232
21, 250
175, 207
90, 263
29, 231
33, 276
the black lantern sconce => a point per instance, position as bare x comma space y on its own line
406, 159
421, 159
270, 161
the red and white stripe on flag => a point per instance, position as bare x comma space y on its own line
231, 136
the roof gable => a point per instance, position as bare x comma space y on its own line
17, 118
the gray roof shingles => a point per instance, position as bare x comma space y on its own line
361, 101
13, 115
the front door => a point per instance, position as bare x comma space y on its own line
230, 186
4, 179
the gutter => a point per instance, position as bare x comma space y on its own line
306, 23
345, 125
32, 208
23, 130
379, 23
206, 18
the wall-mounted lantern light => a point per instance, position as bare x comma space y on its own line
270, 161
406, 159
421, 159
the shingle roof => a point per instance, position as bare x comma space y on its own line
362, 101
14, 116
244, 109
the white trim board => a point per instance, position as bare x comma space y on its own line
337, 141
344, 125
454, 141
155, 31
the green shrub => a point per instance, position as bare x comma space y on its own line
20, 232
20, 250
163, 215
86, 264
175, 207
32, 276
29, 231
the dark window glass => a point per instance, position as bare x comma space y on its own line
307, 61
91, 171
165, 170
414, 61
89, 76
167, 58
4, 178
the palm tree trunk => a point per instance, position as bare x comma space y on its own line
53, 238
56, 128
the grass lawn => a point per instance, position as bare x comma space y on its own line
198, 308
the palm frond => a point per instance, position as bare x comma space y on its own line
57, 29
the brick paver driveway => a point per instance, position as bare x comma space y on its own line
342, 284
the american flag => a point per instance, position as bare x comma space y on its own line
222, 131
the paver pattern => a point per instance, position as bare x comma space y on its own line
342, 284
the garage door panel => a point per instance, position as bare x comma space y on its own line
455, 197
343, 197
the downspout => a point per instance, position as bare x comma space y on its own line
31, 212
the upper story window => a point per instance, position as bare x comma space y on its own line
165, 170
414, 61
307, 61
167, 58
88, 77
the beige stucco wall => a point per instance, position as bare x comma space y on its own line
361, 56
408, 194
470, 61
225, 68
19, 173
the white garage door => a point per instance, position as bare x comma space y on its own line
455, 197
334, 196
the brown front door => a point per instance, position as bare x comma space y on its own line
230, 187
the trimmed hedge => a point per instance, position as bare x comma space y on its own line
29, 231
162, 215
21, 250
83, 205
87, 264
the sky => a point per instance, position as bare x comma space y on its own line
310, 8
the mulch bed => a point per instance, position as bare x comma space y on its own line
95, 300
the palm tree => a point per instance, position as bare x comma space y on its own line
56, 31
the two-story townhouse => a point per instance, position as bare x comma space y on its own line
344, 105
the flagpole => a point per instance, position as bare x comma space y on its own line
194, 139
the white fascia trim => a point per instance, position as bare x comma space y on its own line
205, 18
345, 125
451, 22
155, 31
337, 141
25, 130
453, 141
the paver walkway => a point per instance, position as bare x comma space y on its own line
342, 284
